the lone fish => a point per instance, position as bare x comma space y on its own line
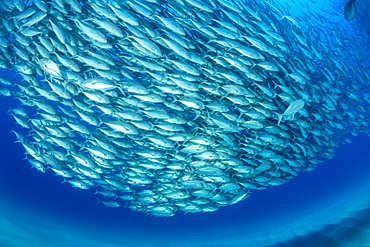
292, 109
350, 10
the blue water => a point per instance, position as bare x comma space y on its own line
325, 207
38, 208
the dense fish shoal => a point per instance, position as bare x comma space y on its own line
166, 105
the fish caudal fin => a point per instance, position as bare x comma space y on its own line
280, 116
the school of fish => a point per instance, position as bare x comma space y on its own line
191, 105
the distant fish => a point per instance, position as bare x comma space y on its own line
350, 10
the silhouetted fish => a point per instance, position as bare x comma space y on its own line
350, 10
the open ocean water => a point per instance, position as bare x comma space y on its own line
328, 207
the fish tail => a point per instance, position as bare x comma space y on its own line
280, 116
253, 65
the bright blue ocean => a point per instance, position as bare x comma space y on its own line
326, 207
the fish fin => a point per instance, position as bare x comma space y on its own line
280, 116
100, 121
253, 65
